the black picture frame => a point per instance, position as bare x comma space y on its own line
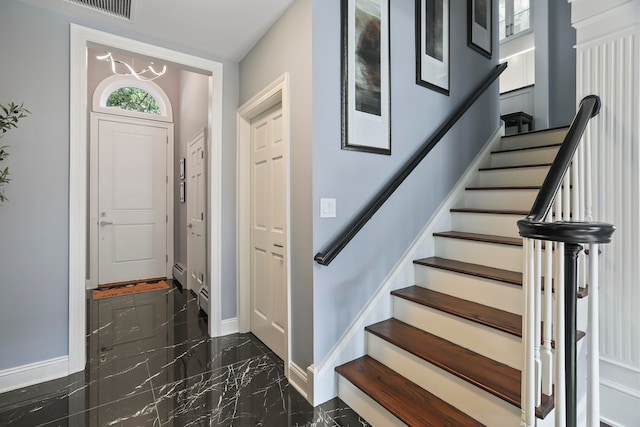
480, 26
433, 45
365, 76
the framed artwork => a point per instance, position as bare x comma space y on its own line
182, 171
479, 26
366, 88
182, 192
432, 44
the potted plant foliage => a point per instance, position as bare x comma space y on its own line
10, 115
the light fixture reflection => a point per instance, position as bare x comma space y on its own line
140, 75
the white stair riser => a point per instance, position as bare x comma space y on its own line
487, 341
521, 176
494, 255
500, 199
532, 140
365, 406
484, 223
526, 157
475, 402
503, 296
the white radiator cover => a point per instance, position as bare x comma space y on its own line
180, 274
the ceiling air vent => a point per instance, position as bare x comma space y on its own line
121, 8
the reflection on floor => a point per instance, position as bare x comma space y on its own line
151, 363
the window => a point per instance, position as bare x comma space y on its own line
127, 96
514, 17
133, 99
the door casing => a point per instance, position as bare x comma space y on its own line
80, 39
274, 93
92, 281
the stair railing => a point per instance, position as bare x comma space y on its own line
334, 247
552, 244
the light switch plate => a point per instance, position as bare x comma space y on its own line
327, 208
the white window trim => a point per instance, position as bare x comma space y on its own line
113, 83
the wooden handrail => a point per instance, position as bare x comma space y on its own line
349, 232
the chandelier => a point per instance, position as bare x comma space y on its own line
146, 74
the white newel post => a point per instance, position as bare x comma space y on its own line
608, 65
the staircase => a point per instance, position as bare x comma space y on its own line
452, 354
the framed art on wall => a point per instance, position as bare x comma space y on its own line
366, 89
432, 44
479, 26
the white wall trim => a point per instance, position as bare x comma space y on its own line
298, 379
229, 326
351, 345
80, 37
276, 92
33, 373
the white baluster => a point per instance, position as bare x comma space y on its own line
593, 376
560, 385
547, 353
537, 289
528, 332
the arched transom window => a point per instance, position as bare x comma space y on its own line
132, 97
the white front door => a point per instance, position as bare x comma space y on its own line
132, 205
268, 231
196, 223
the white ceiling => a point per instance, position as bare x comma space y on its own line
226, 29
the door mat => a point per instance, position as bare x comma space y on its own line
132, 288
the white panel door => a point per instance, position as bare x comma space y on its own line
132, 217
268, 231
196, 224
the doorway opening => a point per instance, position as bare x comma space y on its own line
82, 39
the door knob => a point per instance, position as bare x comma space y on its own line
189, 225
106, 223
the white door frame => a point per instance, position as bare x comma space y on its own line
274, 93
81, 38
92, 281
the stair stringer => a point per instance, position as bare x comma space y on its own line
322, 378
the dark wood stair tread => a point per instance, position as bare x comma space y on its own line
407, 401
478, 270
500, 320
494, 377
497, 168
507, 276
512, 187
513, 241
492, 317
537, 147
491, 211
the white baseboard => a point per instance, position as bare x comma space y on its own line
33, 373
322, 379
229, 326
620, 405
298, 379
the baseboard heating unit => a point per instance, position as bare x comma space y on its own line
203, 299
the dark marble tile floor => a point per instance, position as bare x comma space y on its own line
151, 363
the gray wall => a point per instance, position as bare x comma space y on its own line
287, 48
34, 223
562, 65
342, 289
555, 69
191, 113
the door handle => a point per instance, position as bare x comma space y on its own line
106, 223
278, 246
189, 225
